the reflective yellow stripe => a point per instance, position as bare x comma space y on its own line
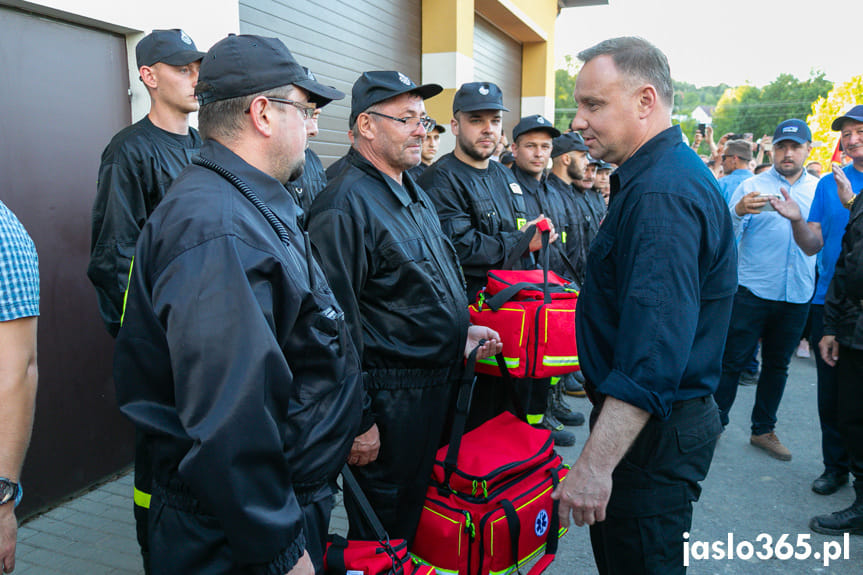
560, 360
534, 419
563, 237
510, 362
122, 315
554, 381
142, 499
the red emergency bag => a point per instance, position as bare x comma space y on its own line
381, 557
534, 313
488, 509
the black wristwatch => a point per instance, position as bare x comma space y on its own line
9, 491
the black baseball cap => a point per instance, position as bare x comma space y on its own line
794, 130
475, 96
320, 101
855, 114
173, 47
533, 123
379, 85
439, 129
568, 142
603, 165
241, 65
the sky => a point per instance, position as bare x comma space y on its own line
732, 41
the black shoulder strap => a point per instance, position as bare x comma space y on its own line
353, 488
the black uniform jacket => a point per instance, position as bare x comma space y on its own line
307, 187
138, 166
477, 211
394, 272
234, 358
843, 306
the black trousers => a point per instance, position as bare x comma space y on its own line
183, 540
652, 492
849, 376
411, 423
832, 447
490, 398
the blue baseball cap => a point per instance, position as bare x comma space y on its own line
855, 114
533, 123
475, 96
794, 130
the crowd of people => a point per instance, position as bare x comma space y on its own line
275, 320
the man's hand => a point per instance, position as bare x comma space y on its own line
767, 143
536, 241
492, 345
787, 207
365, 448
304, 566
696, 140
584, 493
751, 203
829, 348
8, 537
843, 185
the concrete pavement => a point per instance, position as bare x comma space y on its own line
745, 495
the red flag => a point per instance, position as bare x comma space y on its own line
837, 153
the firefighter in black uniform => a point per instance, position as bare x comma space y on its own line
397, 277
138, 166
431, 143
482, 209
234, 356
307, 187
531, 148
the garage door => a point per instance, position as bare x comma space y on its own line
497, 58
338, 40
64, 94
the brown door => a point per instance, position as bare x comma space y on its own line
63, 95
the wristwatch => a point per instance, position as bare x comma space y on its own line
10, 491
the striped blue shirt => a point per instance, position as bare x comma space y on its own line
19, 269
770, 264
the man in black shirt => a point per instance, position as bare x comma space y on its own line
138, 166
397, 277
306, 188
234, 355
482, 210
531, 148
430, 148
651, 319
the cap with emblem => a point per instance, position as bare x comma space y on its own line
475, 96
241, 65
855, 114
794, 130
320, 101
374, 87
534, 123
568, 142
173, 47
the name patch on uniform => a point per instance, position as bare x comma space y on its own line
516, 189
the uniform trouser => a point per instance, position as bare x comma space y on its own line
849, 375
652, 491
832, 447
779, 325
183, 540
410, 421
143, 486
491, 398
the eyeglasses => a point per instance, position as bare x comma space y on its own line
726, 156
411, 122
308, 112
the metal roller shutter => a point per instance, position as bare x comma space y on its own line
338, 40
497, 58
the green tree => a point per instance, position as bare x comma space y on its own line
750, 109
564, 86
824, 110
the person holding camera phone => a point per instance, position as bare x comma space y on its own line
776, 280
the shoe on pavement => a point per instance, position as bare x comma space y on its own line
558, 408
803, 349
559, 435
829, 482
571, 386
749, 377
848, 520
771, 444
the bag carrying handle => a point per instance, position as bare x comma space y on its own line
524, 244
465, 397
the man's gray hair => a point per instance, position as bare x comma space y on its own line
223, 120
639, 61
